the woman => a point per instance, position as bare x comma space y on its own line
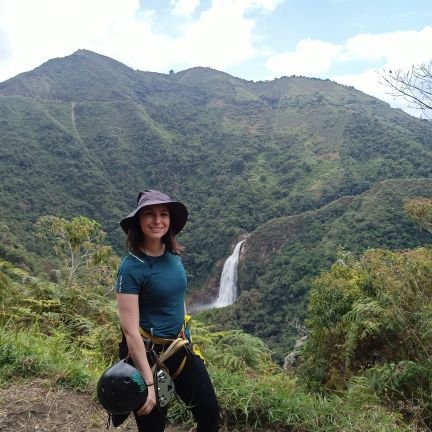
151, 286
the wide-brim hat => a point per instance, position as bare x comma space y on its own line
178, 211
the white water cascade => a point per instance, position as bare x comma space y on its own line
228, 281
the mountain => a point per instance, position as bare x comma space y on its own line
282, 256
83, 134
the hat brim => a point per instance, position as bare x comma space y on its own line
178, 215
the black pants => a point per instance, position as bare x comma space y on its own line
194, 388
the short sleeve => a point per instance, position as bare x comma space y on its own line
126, 280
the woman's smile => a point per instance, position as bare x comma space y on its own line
155, 221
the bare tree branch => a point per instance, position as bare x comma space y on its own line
414, 85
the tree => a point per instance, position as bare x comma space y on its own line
79, 245
419, 210
414, 85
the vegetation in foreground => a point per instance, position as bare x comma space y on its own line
82, 135
365, 365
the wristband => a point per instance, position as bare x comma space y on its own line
149, 385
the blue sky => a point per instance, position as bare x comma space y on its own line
347, 41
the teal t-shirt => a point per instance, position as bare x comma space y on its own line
160, 283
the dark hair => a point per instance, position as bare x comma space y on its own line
135, 238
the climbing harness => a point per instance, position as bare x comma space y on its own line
186, 333
168, 347
164, 385
159, 350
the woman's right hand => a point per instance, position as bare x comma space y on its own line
149, 403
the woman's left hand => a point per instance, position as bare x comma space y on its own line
149, 403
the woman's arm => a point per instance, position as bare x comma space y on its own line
129, 320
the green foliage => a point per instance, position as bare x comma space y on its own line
26, 353
255, 394
371, 317
67, 334
281, 258
80, 305
420, 211
234, 350
82, 135
13, 251
405, 386
79, 246
40, 336
277, 402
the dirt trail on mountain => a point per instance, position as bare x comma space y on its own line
73, 119
36, 406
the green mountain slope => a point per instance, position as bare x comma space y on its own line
280, 258
83, 134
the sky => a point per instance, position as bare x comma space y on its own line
346, 41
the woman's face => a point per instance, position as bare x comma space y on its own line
155, 221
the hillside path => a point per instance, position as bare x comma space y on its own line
36, 406
73, 119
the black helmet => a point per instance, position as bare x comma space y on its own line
121, 389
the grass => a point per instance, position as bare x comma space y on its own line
249, 400
27, 353
279, 402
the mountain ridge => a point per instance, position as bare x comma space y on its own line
83, 134
280, 259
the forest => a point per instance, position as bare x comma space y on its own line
330, 188
363, 362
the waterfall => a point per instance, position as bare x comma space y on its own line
228, 281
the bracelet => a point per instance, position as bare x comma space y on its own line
149, 385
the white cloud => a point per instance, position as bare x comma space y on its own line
37, 31
221, 37
369, 82
394, 50
184, 7
397, 50
310, 58
33, 32
269, 5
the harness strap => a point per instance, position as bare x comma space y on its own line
179, 369
171, 350
155, 339
173, 346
